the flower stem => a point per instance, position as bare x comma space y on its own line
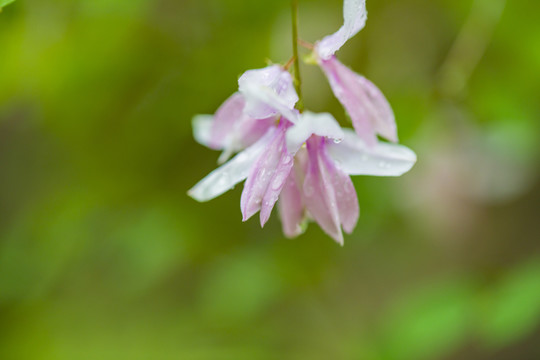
297, 78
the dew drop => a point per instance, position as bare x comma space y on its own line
287, 159
279, 180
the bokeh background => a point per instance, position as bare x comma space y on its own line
104, 256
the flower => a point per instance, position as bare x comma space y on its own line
264, 94
230, 129
269, 92
369, 110
302, 161
319, 187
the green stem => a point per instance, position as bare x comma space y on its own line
297, 78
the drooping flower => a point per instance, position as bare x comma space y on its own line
231, 129
264, 95
269, 92
369, 110
319, 187
270, 172
302, 161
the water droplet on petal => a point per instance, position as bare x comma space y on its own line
287, 159
279, 180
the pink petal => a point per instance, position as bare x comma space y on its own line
269, 92
236, 170
319, 193
230, 129
249, 130
291, 207
369, 110
226, 116
329, 194
267, 177
355, 16
345, 194
246, 131
276, 185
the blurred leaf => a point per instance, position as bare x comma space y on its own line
149, 245
430, 323
239, 287
512, 309
5, 2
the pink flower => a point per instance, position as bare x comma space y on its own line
269, 92
265, 94
269, 173
230, 129
369, 110
319, 187
302, 162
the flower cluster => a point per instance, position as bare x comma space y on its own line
301, 160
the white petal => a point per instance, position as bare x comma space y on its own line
202, 128
312, 124
225, 177
355, 158
268, 92
355, 16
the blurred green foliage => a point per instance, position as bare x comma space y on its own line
4, 3
103, 255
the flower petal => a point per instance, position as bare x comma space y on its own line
267, 177
269, 92
202, 129
224, 120
230, 129
277, 182
369, 110
319, 194
291, 207
312, 124
246, 131
355, 16
354, 157
225, 177
345, 194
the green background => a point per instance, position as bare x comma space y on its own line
104, 256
